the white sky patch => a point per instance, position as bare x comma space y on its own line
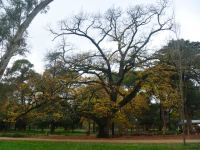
187, 16
40, 39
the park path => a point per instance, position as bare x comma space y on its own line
158, 141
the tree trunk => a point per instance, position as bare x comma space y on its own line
164, 122
169, 120
113, 129
89, 127
160, 117
103, 131
94, 127
103, 128
21, 124
52, 127
188, 121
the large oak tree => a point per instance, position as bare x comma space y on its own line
129, 33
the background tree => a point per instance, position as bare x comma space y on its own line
187, 54
15, 18
57, 91
18, 77
5, 92
158, 97
161, 86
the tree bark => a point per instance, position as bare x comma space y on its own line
94, 127
52, 127
103, 131
188, 121
113, 129
21, 124
103, 128
164, 124
89, 127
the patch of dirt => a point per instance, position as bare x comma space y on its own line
139, 137
123, 139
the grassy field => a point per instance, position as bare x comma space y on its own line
21, 145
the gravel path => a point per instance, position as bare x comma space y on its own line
115, 140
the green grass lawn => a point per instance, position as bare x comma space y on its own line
21, 145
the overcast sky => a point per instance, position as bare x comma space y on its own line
187, 14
